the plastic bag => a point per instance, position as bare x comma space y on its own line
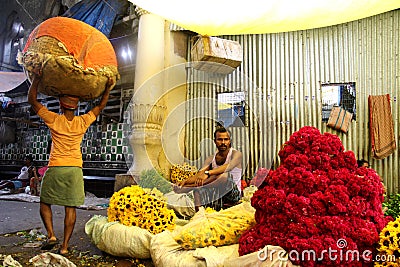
182, 204
10, 262
217, 228
51, 259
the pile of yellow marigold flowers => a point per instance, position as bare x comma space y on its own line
180, 173
141, 207
389, 245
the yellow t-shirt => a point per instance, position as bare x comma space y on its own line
66, 136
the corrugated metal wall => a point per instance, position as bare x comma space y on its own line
282, 74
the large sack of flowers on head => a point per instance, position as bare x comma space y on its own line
73, 57
318, 200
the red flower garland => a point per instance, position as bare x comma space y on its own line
316, 199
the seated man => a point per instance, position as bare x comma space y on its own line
23, 178
218, 182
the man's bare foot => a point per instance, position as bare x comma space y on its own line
64, 252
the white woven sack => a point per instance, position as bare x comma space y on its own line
182, 204
118, 239
275, 257
165, 252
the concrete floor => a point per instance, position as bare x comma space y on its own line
17, 216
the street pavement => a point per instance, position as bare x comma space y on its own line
17, 216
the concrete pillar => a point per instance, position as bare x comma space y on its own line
147, 107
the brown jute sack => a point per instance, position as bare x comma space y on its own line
339, 119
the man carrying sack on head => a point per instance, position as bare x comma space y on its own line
63, 183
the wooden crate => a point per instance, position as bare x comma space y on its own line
213, 54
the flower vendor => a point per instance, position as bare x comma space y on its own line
219, 180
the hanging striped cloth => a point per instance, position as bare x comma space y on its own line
383, 141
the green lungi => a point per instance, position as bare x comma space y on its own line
63, 186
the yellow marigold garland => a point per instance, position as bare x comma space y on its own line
141, 207
389, 253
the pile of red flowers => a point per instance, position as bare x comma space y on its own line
317, 201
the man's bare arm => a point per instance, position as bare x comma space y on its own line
104, 99
206, 164
32, 94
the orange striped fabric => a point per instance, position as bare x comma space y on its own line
383, 141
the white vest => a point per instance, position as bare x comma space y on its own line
235, 172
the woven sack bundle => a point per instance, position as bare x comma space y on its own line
73, 57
